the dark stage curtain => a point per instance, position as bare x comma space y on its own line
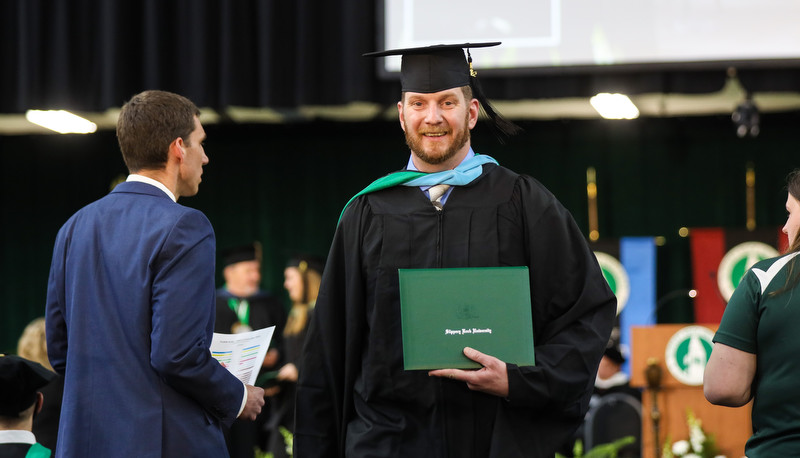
95, 54
92, 55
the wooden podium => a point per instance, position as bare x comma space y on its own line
659, 344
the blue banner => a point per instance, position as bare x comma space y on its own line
638, 257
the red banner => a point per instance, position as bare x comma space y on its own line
720, 257
708, 248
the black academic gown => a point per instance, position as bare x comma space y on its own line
265, 310
45, 423
355, 399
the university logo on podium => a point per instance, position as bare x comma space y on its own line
687, 353
736, 262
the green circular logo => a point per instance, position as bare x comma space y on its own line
616, 276
736, 262
687, 353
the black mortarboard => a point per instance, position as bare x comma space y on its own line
437, 68
433, 68
613, 351
306, 262
20, 379
249, 252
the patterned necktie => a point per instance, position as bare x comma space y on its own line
436, 192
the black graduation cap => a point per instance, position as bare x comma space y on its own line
307, 262
304, 263
440, 67
249, 252
614, 352
20, 379
434, 68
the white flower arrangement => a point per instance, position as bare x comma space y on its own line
680, 448
699, 445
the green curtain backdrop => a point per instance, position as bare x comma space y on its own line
284, 185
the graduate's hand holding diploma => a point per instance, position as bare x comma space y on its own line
492, 378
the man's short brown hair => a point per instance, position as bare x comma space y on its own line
148, 123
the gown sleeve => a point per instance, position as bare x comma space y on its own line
331, 349
573, 308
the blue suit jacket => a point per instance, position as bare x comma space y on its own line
130, 315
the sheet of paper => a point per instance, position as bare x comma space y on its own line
242, 353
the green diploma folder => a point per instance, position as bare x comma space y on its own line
445, 310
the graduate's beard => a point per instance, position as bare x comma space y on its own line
414, 142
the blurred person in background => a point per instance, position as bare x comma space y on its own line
301, 280
610, 376
21, 399
32, 345
243, 306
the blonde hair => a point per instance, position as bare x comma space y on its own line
32, 344
298, 315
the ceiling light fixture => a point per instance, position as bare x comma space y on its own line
614, 106
61, 121
746, 118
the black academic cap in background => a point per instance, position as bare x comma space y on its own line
613, 352
306, 262
20, 379
430, 69
249, 252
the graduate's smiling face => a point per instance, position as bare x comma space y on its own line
437, 127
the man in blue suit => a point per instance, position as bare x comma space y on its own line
130, 303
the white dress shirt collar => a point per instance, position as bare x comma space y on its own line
156, 183
17, 437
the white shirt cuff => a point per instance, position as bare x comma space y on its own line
244, 400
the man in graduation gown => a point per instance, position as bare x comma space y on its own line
130, 303
354, 398
242, 305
